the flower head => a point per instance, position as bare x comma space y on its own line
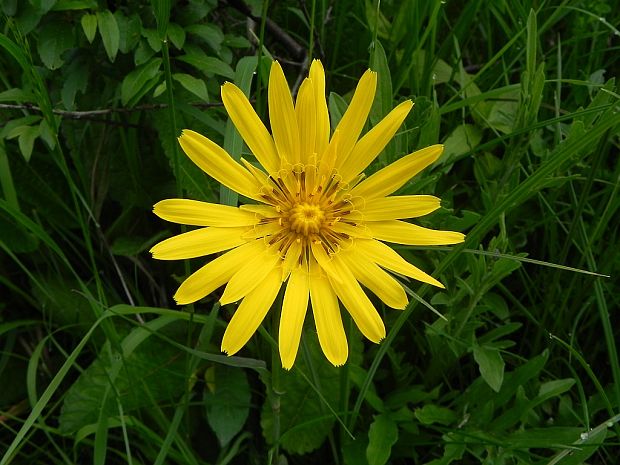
317, 226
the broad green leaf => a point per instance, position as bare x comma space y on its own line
210, 33
176, 34
89, 26
110, 35
139, 82
460, 141
431, 414
227, 402
129, 29
382, 436
491, 365
337, 107
194, 85
55, 38
150, 370
554, 388
16, 95
208, 65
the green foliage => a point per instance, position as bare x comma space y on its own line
523, 367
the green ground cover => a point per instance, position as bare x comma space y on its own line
516, 362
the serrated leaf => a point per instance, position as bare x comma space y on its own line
134, 84
194, 85
151, 370
207, 64
26, 140
110, 34
491, 365
431, 413
228, 404
89, 26
382, 436
55, 37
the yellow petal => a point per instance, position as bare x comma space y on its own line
394, 176
263, 211
282, 116
386, 257
216, 273
251, 313
251, 128
324, 260
327, 319
376, 280
399, 207
373, 142
355, 116
218, 164
357, 303
294, 308
250, 275
401, 232
317, 75
198, 243
305, 110
196, 213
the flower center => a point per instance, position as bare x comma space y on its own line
306, 218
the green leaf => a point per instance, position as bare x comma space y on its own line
209, 33
194, 85
176, 34
139, 82
228, 404
26, 136
491, 366
461, 141
110, 34
383, 98
208, 65
554, 388
161, 8
431, 414
55, 38
129, 29
382, 436
67, 5
16, 95
150, 370
89, 26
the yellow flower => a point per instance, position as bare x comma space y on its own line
317, 225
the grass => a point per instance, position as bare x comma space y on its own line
516, 362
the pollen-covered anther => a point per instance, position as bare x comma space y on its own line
306, 219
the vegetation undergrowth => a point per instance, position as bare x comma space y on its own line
516, 362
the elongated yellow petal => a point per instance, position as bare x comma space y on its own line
198, 243
357, 303
251, 128
399, 207
282, 116
394, 176
305, 110
401, 232
216, 273
324, 260
251, 313
294, 308
386, 257
218, 164
317, 75
327, 319
374, 278
263, 211
249, 275
355, 116
197, 213
373, 142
